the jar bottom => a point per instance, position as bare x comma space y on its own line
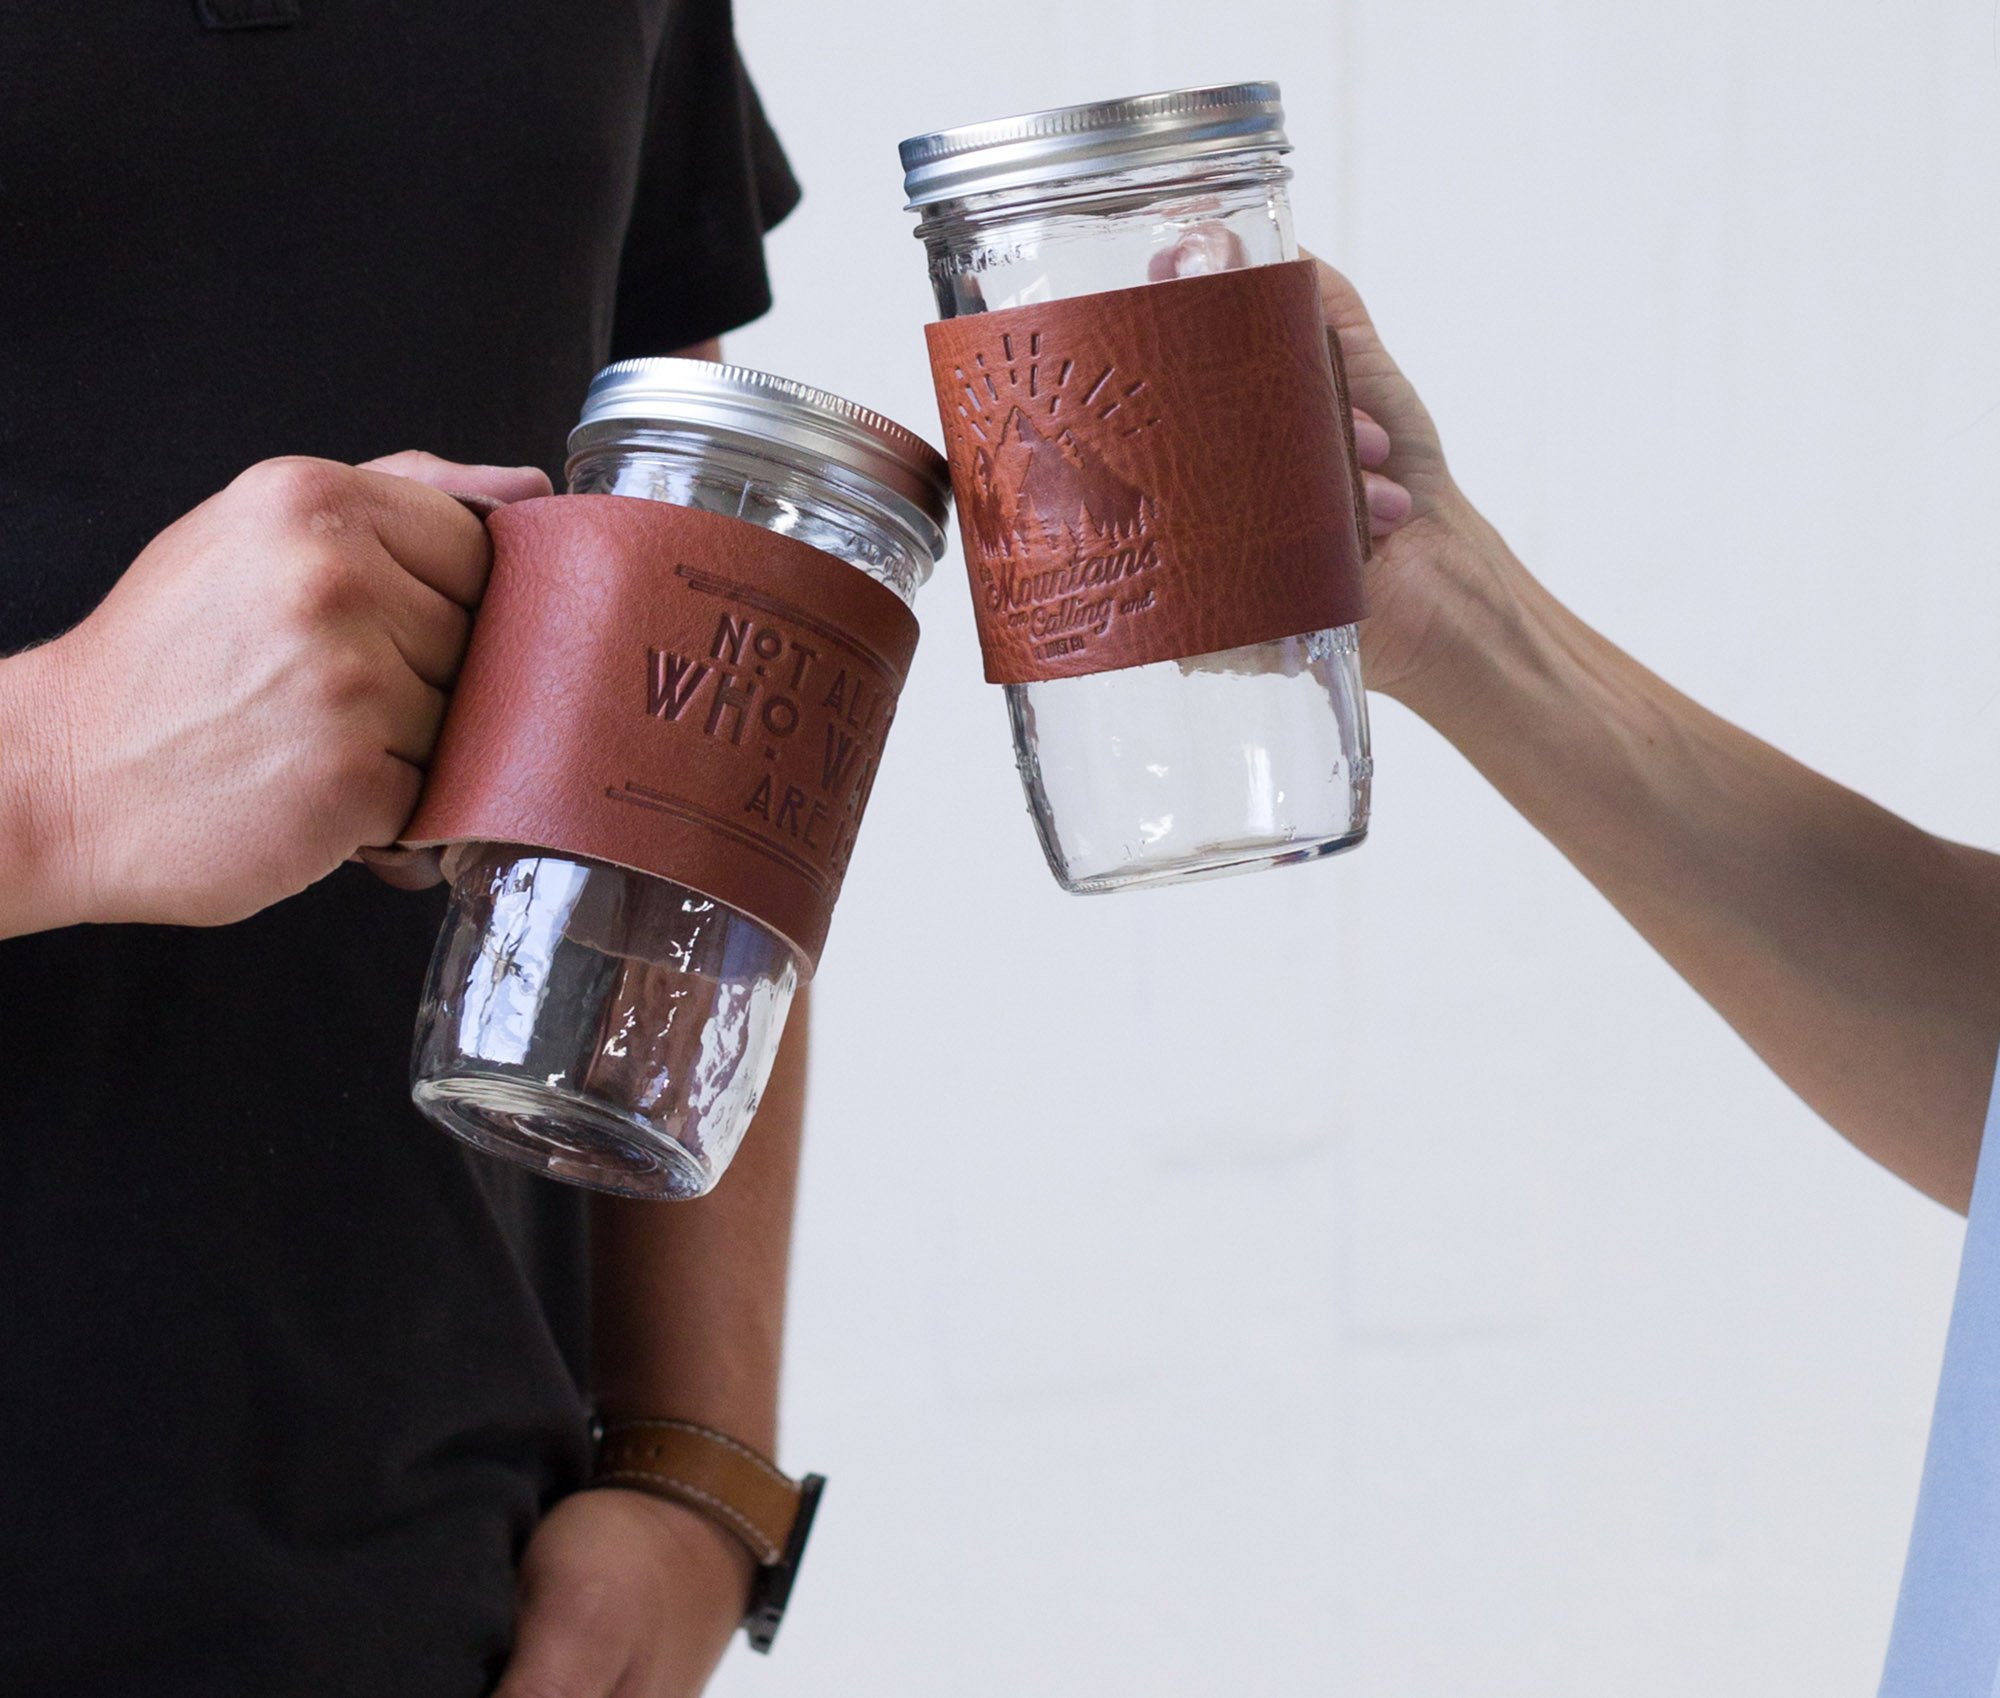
595, 1025
563, 1135
1221, 860
1224, 763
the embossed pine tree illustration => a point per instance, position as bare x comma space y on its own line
1041, 486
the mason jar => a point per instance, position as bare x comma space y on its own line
607, 1027
1206, 764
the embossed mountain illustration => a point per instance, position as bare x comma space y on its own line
1031, 492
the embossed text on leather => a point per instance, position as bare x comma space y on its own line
677, 692
1151, 473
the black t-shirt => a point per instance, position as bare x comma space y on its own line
286, 1376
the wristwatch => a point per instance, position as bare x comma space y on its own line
742, 1492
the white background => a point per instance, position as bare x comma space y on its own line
1385, 1278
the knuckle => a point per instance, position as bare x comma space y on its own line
450, 637
320, 589
351, 789
345, 679
300, 488
406, 462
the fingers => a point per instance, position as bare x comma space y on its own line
428, 613
436, 556
412, 712
1201, 250
346, 510
496, 483
430, 630
1389, 504
431, 536
392, 790
403, 869
1371, 441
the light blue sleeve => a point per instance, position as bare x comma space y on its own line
1946, 1642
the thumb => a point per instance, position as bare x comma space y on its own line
496, 483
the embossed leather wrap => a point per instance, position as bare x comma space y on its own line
677, 692
1151, 473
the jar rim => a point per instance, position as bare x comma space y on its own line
1173, 126
760, 407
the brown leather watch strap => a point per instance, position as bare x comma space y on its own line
709, 1472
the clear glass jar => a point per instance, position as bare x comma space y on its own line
601, 1026
1220, 763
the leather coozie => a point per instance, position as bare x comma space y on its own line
1151, 473
680, 693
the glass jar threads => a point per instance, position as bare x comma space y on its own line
656, 758
1154, 463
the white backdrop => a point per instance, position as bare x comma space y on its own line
1384, 1278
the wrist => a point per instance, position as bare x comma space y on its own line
1518, 684
39, 875
1482, 627
741, 1493
707, 1547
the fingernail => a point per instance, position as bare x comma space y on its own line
1389, 503
1371, 441
1199, 251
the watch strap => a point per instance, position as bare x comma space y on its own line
745, 1494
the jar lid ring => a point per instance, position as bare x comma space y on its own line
1174, 126
760, 407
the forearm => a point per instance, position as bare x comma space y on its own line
689, 1298
1858, 955
688, 1304
34, 848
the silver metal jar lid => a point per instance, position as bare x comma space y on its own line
758, 409
1182, 124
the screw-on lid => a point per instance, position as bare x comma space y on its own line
756, 408
1113, 135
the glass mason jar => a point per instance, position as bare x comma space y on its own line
1219, 763
599, 1025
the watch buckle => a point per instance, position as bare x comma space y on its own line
771, 1590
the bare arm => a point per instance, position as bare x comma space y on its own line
688, 1307
1857, 954
626, 1593
688, 1301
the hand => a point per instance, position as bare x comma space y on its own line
624, 1596
256, 698
1433, 551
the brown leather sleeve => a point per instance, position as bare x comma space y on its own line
1364, 528
1151, 473
678, 692
709, 1472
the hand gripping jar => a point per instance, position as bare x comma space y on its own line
698, 688
1155, 474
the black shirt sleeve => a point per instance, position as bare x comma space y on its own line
713, 179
